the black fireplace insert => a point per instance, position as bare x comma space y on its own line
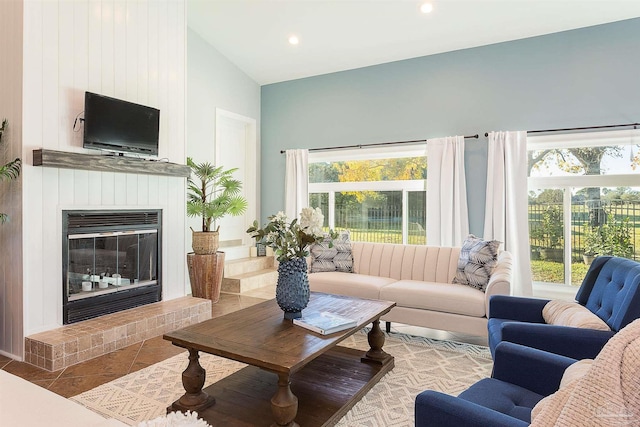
111, 261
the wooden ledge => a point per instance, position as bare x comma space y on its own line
68, 160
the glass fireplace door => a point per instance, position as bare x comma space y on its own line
102, 263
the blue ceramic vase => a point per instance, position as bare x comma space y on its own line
292, 289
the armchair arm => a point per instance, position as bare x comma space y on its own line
517, 308
441, 410
536, 370
577, 343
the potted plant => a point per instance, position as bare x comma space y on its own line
9, 170
212, 194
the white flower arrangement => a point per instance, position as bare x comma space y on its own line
176, 419
291, 240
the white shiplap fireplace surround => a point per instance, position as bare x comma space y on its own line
57, 50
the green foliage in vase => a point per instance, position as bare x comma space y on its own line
9, 170
291, 240
213, 193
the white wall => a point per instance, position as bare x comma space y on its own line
214, 82
128, 49
10, 191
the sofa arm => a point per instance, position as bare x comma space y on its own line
500, 280
517, 308
536, 370
441, 410
578, 343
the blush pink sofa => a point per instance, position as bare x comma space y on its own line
418, 279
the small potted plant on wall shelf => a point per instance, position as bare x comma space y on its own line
212, 193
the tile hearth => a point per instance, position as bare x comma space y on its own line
71, 344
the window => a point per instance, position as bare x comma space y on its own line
584, 201
377, 194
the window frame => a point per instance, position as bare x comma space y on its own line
569, 182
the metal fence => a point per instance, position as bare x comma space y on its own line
381, 224
581, 217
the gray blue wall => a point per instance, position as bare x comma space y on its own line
583, 77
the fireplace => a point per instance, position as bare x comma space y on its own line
111, 261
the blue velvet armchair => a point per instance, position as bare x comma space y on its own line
521, 377
611, 290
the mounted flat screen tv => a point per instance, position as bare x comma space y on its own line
124, 127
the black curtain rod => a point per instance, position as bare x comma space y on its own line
635, 125
376, 144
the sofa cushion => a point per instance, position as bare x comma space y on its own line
445, 297
476, 262
566, 313
353, 285
332, 255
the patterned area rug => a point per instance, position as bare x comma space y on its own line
420, 364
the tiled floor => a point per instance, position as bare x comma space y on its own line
92, 373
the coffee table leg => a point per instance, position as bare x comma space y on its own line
284, 404
376, 341
193, 380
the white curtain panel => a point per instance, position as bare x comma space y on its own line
296, 185
447, 213
506, 218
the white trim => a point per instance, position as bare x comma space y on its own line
252, 171
584, 181
587, 139
409, 185
369, 153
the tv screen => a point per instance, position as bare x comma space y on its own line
121, 126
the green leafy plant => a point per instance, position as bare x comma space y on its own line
611, 238
291, 240
213, 193
9, 170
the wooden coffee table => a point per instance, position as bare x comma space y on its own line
295, 375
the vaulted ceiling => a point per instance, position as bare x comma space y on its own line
336, 35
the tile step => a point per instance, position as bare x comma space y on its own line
236, 267
70, 344
249, 281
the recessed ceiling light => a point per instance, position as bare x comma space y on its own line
293, 40
426, 7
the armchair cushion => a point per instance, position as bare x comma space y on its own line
565, 313
503, 397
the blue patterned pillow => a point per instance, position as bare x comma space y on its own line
335, 258
476, 262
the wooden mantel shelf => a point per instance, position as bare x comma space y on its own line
68, 160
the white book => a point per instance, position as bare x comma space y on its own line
325, 323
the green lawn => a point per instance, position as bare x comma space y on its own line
553, 272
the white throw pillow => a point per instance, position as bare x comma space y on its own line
566, 313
